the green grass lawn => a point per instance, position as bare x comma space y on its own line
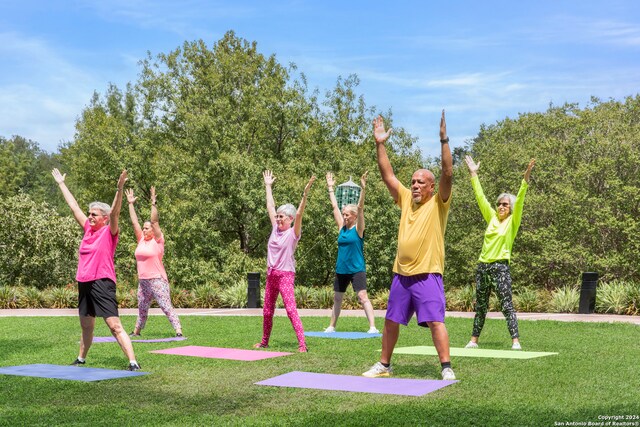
595, 374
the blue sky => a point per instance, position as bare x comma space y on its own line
481, 61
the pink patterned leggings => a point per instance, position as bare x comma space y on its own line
280, 281
158, 288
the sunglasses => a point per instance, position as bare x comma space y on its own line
505, 204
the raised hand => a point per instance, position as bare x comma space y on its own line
363, 179
308, 186
527, 173
130, 197
58, 176
268, 177
473, 166
123, 178
443, 127
330, 180
153, 195
379, 133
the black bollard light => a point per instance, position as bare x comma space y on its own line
253, 290
588, 293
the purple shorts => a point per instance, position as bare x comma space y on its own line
422, 294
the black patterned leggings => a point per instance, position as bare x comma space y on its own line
487, 276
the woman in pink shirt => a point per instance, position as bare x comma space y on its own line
96, 273
281, 265
152, 278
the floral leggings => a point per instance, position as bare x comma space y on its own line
488, 275
282, 282
158, 288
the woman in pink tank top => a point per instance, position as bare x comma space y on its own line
281, 265
152, 278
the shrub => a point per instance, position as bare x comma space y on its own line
234, 296
31, 297
181, 298
350, 300
564, 300
528, 300
323, 297
66, 297
461, 299
127, 297
304, 296
613, 297
380, 299
207, 296
8, 297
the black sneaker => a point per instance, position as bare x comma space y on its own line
179, 335
133, 335
133, 367
77, 362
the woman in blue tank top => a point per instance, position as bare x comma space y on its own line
350, 265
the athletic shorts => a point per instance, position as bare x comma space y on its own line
358, 280
97, 298
422, 294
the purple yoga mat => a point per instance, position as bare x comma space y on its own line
68, 372
400, 386
221, 353
112, 339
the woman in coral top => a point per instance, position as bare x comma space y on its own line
152, 278
493, 265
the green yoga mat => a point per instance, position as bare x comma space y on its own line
474, 352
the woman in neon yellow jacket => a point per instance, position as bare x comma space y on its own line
493, 265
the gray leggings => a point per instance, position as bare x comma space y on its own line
487, 276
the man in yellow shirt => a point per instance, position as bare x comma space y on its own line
417, 283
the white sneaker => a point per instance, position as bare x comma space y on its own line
516, 346
471, 345
329, 330
447, 374
373, 330
378, 370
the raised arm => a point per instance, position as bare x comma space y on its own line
271, 204
68, 197
155, 218
131, 199
527, 173
446, 176
485, 207
389, 178
117, 204
337, 216
297, 226
360, 221
473, 166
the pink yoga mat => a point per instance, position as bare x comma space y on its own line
221, 353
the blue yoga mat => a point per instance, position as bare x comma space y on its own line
342, 335
68, 372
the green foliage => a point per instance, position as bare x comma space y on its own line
31, 297
564, 300
63, 297
528, 300
616, 297
380, 299
37, 247
461, 299
206, 296
234, 296
181, 298
304, 296
323, 297
9, 297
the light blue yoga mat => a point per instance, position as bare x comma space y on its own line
473, 352
60, 372
342, 335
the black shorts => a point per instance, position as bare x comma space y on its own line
97, 298
359, 281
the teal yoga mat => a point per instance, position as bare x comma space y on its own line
474, 352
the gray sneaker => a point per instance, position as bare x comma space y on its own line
378, 370
447, 374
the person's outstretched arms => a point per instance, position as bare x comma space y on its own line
297, 226
131, 199
337, 216
117, 204
360, 221
446, 176
527, 173
271, 204
381, 135
155, 218
78, 214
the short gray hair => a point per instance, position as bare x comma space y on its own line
103, 207
512, 200
352, 208
288, 209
